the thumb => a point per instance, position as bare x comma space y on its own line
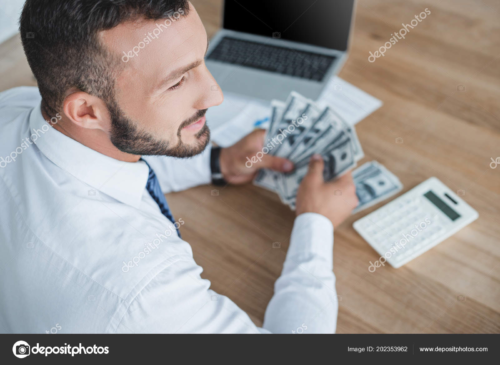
345, 179
275, 163
316, 166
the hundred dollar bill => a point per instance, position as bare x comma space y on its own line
296, 130
374, 183
358, 150
294, 105
277, 109
283, 116
326, 129
266, 178
338, 160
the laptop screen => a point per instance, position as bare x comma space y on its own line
324, 23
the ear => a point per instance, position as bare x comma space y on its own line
87, 111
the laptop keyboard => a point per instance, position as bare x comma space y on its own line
286, 61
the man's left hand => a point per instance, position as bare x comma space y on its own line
240, 163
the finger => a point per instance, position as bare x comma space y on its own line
345, 179
259, 134
316, 166
344, 184
241, 179
279, 164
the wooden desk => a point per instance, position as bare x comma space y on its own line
441, 117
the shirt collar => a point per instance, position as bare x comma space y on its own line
124, 181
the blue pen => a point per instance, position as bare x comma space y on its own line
260, 122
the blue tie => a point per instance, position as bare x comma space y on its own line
153, 188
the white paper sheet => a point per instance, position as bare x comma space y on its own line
254, 115
351, 103
238, 115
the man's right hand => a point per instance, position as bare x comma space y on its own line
335, 200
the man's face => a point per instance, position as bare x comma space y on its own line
164, 90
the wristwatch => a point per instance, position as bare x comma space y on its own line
217, 178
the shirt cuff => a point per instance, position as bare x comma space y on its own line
312, 234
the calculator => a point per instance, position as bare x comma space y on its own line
415, 222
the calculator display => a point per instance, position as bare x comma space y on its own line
441, 205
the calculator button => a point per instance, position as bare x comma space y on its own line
436, 234
394, 231
364, 225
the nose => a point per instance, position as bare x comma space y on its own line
210, 93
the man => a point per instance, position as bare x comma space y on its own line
87, 240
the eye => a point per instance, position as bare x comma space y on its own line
179, 84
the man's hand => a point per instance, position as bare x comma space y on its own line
335, 200
240, 162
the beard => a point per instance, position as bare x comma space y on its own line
128, 138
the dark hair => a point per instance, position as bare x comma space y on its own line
60, 39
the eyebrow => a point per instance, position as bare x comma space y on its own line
179, 72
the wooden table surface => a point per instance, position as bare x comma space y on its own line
441, 117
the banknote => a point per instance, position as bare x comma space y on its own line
338, 160
295, 131
294, 105
266, 178
325, 130
374, 183
277, 109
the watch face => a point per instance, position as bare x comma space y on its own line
217, 177
219, 182
215, 161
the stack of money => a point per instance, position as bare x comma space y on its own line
301, 128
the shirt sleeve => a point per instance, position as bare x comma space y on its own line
178, 300
305, 299
175, 174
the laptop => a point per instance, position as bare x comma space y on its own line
267, 48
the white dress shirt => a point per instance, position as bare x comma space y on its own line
84, 246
